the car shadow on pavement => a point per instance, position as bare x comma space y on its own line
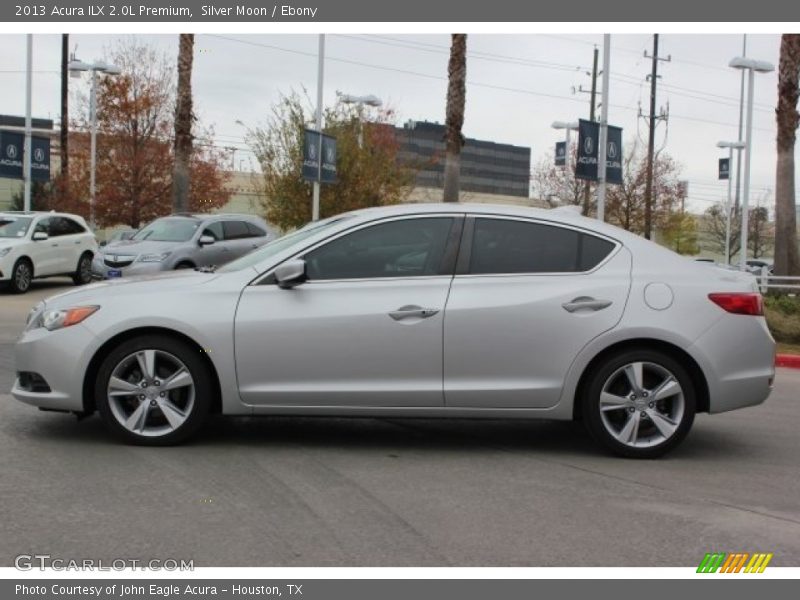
554, 438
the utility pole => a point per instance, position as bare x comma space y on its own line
593, 99
651, 142
320, 76
741, 126
26, 153
64, 111
602, 149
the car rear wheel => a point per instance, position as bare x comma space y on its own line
154, 391
639, 403
83, 274
21, 276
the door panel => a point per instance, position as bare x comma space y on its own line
510, 339
340, 343
46, 253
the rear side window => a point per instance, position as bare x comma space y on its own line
235, 230
255, 230
507, 246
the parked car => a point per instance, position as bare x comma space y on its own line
44, 244
755, 266
182, 242
444, 310
119, 236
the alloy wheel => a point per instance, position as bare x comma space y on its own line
151, 393
642, 404
22, 276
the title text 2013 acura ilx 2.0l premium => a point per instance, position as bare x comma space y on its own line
439, 310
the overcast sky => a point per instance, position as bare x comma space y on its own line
517, 86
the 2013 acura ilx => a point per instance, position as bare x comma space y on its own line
470, 311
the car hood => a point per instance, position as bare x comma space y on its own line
137, 247
95, 293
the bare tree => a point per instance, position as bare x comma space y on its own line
786, 255
181, 179
454, 121
715, 228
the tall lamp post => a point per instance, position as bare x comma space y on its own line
752, 67
567, 126
76, 67
731, 146
361, 101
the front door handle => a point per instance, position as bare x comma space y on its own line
586, 303
411, 310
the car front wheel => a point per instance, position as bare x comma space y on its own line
639, 403
21, 276
154, 390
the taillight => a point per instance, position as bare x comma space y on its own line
739, 303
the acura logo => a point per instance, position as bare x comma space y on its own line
612, 150
11, 151
312, 151
588, 145
329, 155
38, 155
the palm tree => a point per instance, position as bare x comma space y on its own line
454, 119
786, 255
183, 125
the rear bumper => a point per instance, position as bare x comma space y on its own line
738, 356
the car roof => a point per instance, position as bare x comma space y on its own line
39, 213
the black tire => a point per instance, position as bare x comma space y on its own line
200, 405
21, 276
83, 272
607, 372
184, 265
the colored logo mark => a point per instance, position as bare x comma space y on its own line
735, 562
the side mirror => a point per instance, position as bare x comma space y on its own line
291, 273
40, 236
206, 240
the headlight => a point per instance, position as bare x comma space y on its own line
60, 318
154, 257
4, 251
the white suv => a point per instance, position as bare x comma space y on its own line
44, 244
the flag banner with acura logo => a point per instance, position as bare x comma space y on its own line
724, 168
12, 145
561, 154
316, 150
586, 166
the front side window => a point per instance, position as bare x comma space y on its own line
508, 246
170, 229
403, 248
214, 230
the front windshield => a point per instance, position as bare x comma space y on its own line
172, 229
277, 246
14, 227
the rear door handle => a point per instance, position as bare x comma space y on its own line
411, 310
585, 303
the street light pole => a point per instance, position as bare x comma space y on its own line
752, 66
77, 67
320, 78
601, 151
728, 208
28, 147
361, 101
93, 148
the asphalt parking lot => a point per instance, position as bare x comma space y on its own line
390, 492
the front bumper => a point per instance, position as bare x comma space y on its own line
61, 358
100, 269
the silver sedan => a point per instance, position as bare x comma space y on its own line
468, 311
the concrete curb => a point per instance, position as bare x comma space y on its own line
787, 360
